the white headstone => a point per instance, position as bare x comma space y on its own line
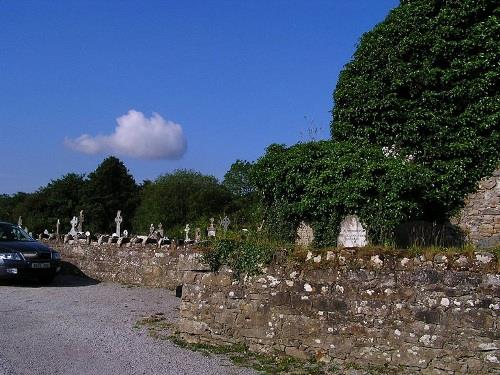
352, 233
73, 223
118, 221
20, 222
186, 230
225, 223
125, 233
211, 228
58, 224
80, 222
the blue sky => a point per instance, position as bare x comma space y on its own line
225, 79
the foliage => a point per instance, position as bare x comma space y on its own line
9, 204
415, 126
243, 257
424, 85
321, 182
60, 199
108, 189
246, 210
179, 198
238, 179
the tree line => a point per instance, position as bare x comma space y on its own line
416, 125
173, 199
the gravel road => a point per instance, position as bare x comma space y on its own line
76, 326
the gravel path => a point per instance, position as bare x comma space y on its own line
76, 327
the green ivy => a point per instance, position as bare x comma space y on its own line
416, 124
242, 257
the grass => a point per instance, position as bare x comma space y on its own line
272, 364
159, 328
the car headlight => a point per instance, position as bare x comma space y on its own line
56, 255
10, 256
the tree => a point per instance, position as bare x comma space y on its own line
179, 198
423, 85
246, 209
62, 199
9, 204
238, 179
108, 189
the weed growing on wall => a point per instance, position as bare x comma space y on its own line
243, 257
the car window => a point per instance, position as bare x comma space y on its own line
9, 232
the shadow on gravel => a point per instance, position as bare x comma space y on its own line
70, 276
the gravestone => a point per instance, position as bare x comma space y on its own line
160, 230
197, 235
20, 222
225, 223
211, 228
305, 234
118, 221
58, 225
73, 223
125, 233
352, 233
259, 228
186, 230
151, 230
80, 222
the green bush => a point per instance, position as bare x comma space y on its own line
424, 84
415, 126
321, 182
242, 257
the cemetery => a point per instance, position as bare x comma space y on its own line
399, 309
379, 246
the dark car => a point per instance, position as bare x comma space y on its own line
22, 256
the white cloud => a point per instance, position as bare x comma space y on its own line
136, 136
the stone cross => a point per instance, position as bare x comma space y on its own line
259, 228
118, 221
80, 222
73, 223
186, 230
20, 222
58, 225
225, 223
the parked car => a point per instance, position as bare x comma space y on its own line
21, 256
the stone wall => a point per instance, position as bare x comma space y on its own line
415, 314
480, 218
148, 265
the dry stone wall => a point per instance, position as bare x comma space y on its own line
146, 265
412, 314
436, 315
480, 218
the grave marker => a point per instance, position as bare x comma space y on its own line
352, 233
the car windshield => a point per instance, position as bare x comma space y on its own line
9, 232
